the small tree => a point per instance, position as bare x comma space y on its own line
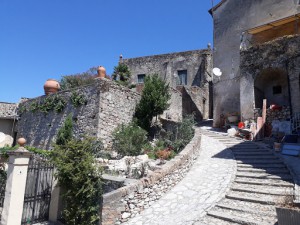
78, 174
122, 71
154, 101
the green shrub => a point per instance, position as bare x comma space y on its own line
80, 177
129, 139
65, 132
79, 79
154, 100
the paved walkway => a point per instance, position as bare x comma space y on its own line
204, 185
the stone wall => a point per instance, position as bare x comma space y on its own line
7, 110
117, 105
231, 19
196, 100
174, 112
281, 115
8, 119
108, 105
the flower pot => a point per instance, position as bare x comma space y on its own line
232, 119
101, 72
287, 216
51, 86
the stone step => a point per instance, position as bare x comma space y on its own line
239, 219
262, 166
209, 220
262, 209
240, 147
258, 161
285, 177
242, 157
266, 170
253, 153
268, 182
255, 197
252, 188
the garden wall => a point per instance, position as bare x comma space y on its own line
107, 105
114, 203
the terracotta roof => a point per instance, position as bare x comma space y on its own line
216, 6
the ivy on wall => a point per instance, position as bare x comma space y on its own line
54, 103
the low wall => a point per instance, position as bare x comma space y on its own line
113, 202
108, 105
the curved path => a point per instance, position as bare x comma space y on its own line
262, 181
204, 185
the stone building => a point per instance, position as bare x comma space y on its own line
8, 119
253, 67
189, 72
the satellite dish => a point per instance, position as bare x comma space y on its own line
217, 72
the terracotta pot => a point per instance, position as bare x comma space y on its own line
51, 86
101, 71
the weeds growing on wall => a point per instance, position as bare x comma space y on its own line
78, 174
78, 99
129, 139
154, 101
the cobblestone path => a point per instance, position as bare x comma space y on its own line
262, 181
204, 185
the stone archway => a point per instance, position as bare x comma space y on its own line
271, 84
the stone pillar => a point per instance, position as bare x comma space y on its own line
247, 98
15, 185
55, 203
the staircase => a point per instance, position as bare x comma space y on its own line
295, 122
262, 181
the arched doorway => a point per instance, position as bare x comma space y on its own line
272, 84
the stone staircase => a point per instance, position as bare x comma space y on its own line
262, 181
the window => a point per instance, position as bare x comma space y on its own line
182, 77
277, 90
141, 78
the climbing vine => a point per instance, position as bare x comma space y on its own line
53, 102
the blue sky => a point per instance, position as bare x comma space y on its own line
50, 38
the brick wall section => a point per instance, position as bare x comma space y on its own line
108, 105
